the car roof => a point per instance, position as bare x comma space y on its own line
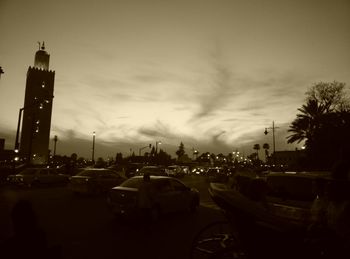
155, 177
312, 175
96, 169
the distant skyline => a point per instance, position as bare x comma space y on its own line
210, 74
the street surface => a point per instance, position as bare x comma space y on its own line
85, 228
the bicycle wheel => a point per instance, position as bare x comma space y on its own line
216, 241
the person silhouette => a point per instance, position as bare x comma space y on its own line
146, 199
28, 241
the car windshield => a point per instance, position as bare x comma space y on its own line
150, 170
132, 183
28, 171
214, 171
92, 173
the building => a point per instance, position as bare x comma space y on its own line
289, 159
6, 156
37, 109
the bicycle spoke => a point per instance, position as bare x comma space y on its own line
216, 241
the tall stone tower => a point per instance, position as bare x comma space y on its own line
37, 109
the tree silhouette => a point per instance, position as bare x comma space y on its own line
257, 148
307, 122
323, 123
181, 151
266, 146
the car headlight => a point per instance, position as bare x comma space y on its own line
86, 179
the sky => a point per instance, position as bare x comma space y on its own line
211, 74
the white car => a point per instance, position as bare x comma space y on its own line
38, 176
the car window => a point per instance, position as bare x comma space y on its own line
291, 187
52, 172
132, 183
163, 185
150, 170
28, 171
178, 186
92, 173
108, 174
44, 172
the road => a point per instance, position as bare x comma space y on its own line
85, 228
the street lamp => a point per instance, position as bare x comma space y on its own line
54, 147
93, 147
273, 134
273, 137
140, 149
18, 127
195, 153
157, 142
1, 71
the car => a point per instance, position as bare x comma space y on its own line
170, 195
94, 181
38, 176
198, 170
175, 171
132, 169
216, 174
152, 170
294, 185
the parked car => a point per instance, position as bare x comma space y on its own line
216, 174
198, 170
132, 169
170, 195
94, 181
38, 176
175, 171
294, 185
152, 170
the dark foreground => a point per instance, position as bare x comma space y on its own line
84, 227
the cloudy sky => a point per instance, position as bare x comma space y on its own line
212, 74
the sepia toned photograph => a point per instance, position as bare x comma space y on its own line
175, 129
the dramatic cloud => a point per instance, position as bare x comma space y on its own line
211, 74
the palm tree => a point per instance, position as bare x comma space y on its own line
257, 148
266, 146
307, 122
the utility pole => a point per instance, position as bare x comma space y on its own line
273, 136
54, 147
1, 71
140, 149
93, 148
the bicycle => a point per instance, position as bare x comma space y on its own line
251, 231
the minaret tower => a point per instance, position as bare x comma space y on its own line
37, 109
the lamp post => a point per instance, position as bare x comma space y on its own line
18, 127
157, 142
195, 153
93, 147
140, 149
273, 136
54, 147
